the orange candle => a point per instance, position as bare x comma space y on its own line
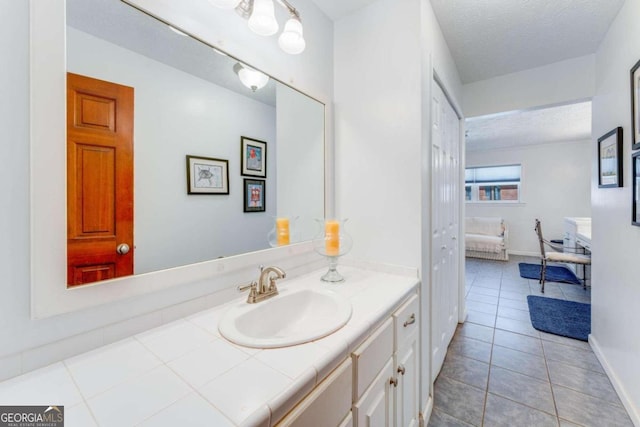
282, 231
332, 238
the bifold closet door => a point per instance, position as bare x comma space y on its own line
445, 204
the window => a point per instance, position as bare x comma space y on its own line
493, 184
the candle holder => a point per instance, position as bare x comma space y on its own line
332, 242
284, 231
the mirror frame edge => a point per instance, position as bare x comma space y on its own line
49, 293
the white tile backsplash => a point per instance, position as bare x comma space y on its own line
130, 327
179, 311
59, 350
10, 366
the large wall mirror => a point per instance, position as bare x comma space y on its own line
188, 101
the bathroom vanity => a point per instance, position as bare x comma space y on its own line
186, 373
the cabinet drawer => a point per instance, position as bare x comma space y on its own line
406, 320
327, 405
370, 357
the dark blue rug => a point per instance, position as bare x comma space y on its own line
553, 274
559, 317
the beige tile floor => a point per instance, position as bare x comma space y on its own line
500, 371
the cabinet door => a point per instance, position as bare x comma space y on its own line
375, 408
406, 370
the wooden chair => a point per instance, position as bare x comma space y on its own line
557, 255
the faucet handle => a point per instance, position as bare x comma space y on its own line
249, 287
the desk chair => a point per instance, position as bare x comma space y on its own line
559, 256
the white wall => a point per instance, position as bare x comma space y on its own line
616, 293
311, 72
177, 114
300, 177
558, 83
378, 130
556, 182
384, 54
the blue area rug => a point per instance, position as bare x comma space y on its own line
559, 317
553, 274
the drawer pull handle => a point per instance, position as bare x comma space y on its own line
401, 369
411, 321
393, 381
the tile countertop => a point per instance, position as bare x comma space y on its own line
185, 373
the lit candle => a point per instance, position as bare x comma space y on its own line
282, 231
332, 238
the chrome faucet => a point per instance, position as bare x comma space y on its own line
265, 287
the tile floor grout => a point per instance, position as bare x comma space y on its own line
457, 387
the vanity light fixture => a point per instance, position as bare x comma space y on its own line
262, 21
263, 18
253, 79
291, 40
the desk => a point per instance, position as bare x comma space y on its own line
583, 244
577, 235
583, 239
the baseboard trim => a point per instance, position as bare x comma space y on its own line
615, 381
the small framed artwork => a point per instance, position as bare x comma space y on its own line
610, 159
206, 175
635, 200
254, 199
254, 157
635, 106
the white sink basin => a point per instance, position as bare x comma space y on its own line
293, 317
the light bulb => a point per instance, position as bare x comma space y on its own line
263, 19
253, 79
225, 4
291, 40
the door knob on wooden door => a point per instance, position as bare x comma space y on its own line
123, 249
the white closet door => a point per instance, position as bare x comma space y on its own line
445, 203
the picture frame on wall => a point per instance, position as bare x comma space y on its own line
254, 195
610, 159
635, 194
207, 175
635, 106
253, 155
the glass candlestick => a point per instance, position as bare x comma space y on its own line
283, 232
332, 242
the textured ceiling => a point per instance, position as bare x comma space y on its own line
554, 124
488, 38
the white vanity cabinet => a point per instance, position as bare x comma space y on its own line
406, 363
391, 398
376, 387
372, 379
